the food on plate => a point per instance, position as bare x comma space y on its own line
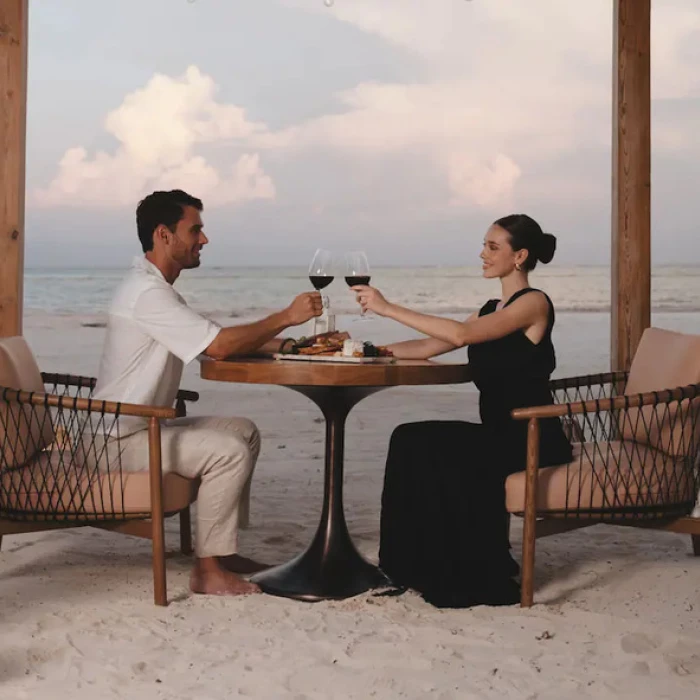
323, 344
371, 350
351, 348
357, 348
338, 344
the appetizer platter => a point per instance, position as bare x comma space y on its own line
337, 347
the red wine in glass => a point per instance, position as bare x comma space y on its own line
322, 271
320, 282
357, 279
357, 270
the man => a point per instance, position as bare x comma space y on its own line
151, 335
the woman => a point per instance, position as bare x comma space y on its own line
444, 527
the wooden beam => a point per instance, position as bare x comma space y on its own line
13, 129
631, 210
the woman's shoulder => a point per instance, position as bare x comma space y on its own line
538, 296
540, 301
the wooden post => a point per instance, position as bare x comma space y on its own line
155, 468
527, 586
631, 181
13, 127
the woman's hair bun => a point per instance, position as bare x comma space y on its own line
526, 233
546, 247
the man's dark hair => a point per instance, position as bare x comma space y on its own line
162, 208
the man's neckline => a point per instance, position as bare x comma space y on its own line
145, 264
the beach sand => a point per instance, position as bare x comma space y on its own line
617, 611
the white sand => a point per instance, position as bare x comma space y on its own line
617, 613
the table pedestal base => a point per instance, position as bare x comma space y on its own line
331, 568
324, 571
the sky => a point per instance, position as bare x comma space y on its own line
400, 127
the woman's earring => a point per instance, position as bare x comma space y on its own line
518, 267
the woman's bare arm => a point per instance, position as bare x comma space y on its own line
420, 349
424, 348
524, 313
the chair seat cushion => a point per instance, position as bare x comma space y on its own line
664, 360
24, 429
37, 490
607, 475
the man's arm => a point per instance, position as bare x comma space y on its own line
272, 346
251, 337
260, 335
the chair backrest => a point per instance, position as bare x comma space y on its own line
24, 429
664, 360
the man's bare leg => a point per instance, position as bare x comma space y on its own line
210, 577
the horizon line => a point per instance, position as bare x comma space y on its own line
235, 266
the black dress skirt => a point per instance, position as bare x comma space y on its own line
444, 526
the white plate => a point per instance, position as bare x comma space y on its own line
337, 358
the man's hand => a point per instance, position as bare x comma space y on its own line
371, 299
304, 307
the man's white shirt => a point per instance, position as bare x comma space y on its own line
151, 335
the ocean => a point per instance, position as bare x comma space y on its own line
581, 297
247, 291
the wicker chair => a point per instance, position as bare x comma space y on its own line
60, 460
636, 439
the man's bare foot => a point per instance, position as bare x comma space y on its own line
241, 565
210, 578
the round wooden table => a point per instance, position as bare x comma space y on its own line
331, 567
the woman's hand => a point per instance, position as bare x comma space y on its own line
371, 299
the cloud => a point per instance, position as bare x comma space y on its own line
675, 54
511, 88
507, 91
159, 129
485, 184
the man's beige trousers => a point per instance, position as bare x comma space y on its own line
221, 452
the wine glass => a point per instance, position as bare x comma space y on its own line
357, 270
321, 271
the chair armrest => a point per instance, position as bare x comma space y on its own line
68, 380
588, 380
626, 401
90, 382
182, 396
87, 405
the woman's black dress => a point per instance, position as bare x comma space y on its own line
444, 527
